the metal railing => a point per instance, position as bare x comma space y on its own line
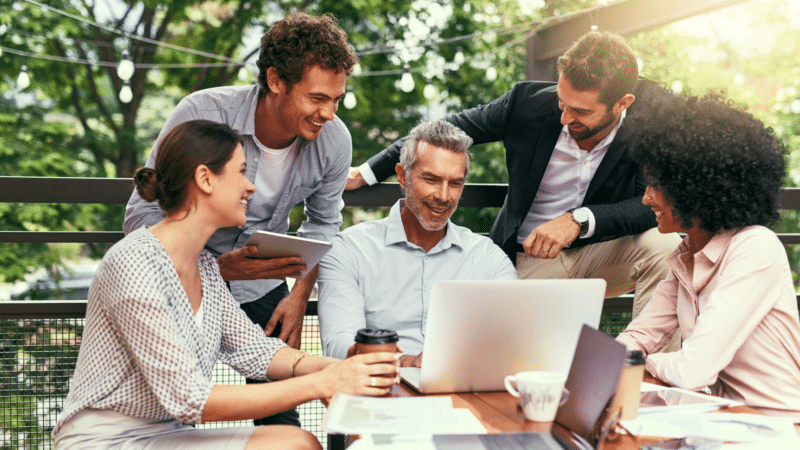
39, 340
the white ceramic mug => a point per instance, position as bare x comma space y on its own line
540, 393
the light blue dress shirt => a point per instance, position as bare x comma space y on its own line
373, 276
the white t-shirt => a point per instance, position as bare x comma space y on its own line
272, 176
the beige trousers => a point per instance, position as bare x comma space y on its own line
631, 263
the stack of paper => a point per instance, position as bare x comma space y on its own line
353, 414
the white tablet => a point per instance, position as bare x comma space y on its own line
274, 245
672, 399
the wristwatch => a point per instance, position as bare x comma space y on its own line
581, 217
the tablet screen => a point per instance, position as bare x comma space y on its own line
672, 397
275, 245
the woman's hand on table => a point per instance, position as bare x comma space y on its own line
371, 374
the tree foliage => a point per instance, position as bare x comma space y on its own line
74, 108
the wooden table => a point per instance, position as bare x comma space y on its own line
498, 413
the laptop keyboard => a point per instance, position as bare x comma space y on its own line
513, 441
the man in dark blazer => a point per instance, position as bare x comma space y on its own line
573, 207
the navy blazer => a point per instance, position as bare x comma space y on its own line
528, 122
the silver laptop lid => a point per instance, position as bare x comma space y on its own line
477, 332
592, 381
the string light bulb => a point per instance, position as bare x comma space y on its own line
430, 90
407, 81
23, 80
125, 67
356, 70
677, 86
125, 94
795, 106
349, 99
459, 57
491, 74
243, 74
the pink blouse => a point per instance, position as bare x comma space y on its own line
736, 307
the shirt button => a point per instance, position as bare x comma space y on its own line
255, 159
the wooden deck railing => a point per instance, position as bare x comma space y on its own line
118, 190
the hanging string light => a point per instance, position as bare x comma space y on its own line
23, 80
491, 74
795, 106
244, 74
349, 98
407, 80
430, 90
125, 94
459, 57
677, 86
125, 68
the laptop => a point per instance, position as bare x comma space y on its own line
592, 383
522, 324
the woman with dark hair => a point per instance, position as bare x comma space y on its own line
159, 316
714, 172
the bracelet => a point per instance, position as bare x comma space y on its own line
297, 358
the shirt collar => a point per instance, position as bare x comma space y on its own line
395, 232
714, 249
246, 118
248, 128
694, 267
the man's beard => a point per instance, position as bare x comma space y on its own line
412, 203
591, 132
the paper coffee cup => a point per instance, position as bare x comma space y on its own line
540, 393
371, 340
629, 386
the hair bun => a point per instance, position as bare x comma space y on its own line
147, 184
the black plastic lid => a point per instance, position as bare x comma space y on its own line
635, 358
376, 336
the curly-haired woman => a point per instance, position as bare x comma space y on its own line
714, 173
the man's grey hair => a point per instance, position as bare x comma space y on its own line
437, 133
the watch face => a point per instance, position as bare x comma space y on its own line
580, 215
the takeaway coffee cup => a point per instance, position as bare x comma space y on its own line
540, 393
629, 385
371, 340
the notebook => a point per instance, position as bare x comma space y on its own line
592, 382
522, 324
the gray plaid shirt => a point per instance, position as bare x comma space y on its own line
142, 354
